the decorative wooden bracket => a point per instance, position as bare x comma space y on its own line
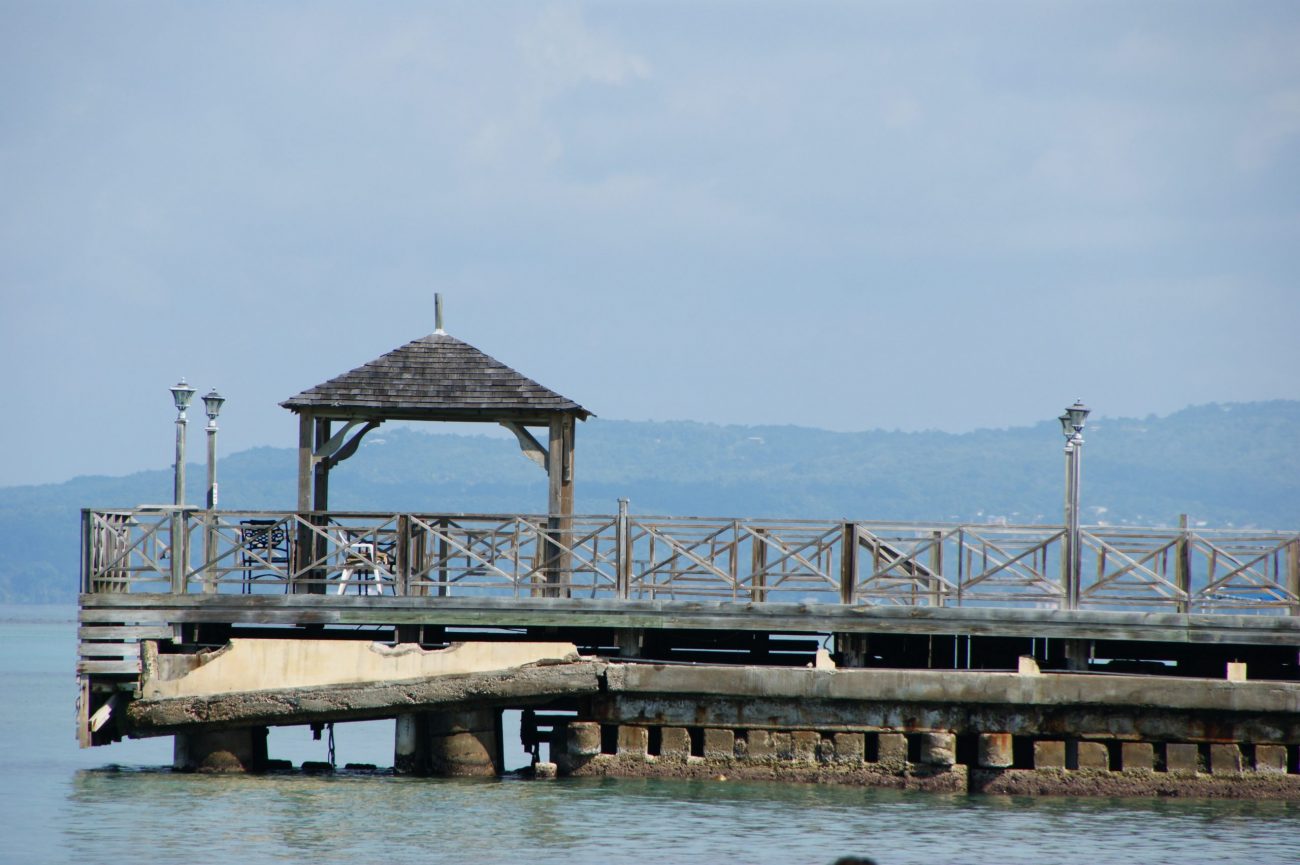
531, 447
336, 450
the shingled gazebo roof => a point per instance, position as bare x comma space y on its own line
435, 378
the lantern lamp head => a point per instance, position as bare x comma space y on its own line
212, 403
1067, 428
1077, 413
182, 393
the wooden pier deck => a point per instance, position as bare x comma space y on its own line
730, 591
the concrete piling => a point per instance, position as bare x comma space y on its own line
938, 749
1137, 757
674, 744
1225, 760
759, 745
240, 750
719, 744
849, 748
464, 744
995, 751
804, 745
1049, 754
1182, 757
633, 741
579, 745
1093, 755
891, 750
1270, 759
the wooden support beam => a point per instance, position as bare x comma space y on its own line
105, 712
1293, 573
848, 563
559, 504
789, 618
1183, 565
321, 467
304, 461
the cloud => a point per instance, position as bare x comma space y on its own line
1272, 130
561, 47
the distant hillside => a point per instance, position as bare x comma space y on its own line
1225, 465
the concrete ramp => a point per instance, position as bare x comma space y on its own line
268, 682
271, 665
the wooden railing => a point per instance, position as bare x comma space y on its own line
671, 558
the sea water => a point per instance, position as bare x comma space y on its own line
121, 803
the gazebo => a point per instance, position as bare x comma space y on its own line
433, 378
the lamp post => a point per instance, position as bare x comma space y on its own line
182, 393
212, 406
1072, 423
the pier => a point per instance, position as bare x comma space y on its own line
1035, 658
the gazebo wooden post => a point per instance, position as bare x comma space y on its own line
303, 546
304, 461
321, 472
320, 502
313, 496
559, 504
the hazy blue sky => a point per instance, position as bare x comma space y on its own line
860, 215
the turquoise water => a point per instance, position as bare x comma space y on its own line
59, 804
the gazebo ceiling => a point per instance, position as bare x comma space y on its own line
435, 378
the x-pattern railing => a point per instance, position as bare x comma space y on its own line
1015, 564
511, 554
665, 558
797, 557
126, 549
1194, 571
677, 558
1255, 571
938, 566
1133, 568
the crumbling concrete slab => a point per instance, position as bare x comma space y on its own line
530, 684
271, 665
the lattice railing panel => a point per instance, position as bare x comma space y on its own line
674, 558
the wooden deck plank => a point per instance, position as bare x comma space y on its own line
155, 616
688, 615
124, 632
125, 667
108, 650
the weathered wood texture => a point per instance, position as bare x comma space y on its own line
642, 557
166, 609
436, 377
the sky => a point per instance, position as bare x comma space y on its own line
853, 216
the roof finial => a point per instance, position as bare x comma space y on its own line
437, 313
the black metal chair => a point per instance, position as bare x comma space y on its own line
263, 545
